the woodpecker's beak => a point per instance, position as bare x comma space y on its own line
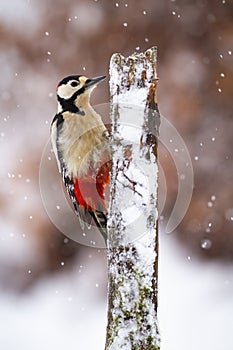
94, 81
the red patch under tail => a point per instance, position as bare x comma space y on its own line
89, 191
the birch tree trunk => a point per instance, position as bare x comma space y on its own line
133, 214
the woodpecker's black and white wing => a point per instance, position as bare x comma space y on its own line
56, 127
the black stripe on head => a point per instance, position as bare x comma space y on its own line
69, 105
66, 79
77, 93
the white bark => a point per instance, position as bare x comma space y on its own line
133, 214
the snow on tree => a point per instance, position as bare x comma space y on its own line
133, 213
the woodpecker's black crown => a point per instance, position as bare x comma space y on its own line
65, 80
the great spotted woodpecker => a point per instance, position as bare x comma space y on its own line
80, 143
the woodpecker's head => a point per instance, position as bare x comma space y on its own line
73, 92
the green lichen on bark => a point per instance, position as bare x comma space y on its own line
132, 301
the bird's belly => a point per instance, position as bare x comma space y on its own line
86, 154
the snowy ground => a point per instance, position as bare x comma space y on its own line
68, 311
196, 304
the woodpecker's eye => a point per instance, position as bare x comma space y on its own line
74, 83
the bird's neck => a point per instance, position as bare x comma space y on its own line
68, 106
75, 104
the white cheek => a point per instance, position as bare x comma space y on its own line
65, 91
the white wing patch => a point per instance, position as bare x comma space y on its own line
54, 143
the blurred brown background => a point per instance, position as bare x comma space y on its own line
43, 41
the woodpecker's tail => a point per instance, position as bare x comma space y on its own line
100, 219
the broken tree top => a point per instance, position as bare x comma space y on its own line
137, 70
